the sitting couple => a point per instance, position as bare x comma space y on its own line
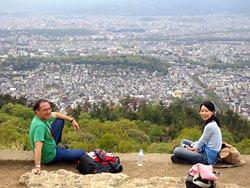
207, 148
45, 137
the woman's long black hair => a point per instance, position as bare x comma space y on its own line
210, 106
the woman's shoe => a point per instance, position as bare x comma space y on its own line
178, 160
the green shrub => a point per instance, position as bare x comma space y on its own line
163, 147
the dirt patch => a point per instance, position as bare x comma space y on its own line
10, 171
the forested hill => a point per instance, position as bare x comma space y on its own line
126, 128
132, 61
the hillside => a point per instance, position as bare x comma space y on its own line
128, 128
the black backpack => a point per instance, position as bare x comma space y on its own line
197, 182
88, 165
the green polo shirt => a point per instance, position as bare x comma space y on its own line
39, 131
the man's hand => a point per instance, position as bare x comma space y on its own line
38, 151
75, 125
36, 171
67, 118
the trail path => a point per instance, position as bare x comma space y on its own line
15, 163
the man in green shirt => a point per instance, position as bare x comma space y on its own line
45, 137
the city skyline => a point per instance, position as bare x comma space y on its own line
206, 47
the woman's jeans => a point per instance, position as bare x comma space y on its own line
191, 156
63, 154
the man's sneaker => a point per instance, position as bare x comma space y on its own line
178, 160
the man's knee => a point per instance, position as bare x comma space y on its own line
82, 152
58, 123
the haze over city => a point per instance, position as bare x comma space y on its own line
127, 7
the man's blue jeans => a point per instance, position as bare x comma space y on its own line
63, 154
191, 156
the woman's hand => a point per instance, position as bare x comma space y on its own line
195, 149
188, 148
191, 149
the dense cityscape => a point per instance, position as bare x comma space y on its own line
189, 43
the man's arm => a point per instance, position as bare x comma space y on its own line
38, 155
67, 118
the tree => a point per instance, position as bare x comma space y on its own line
7, 98
108, 141
244, 146
138, 135
125, 146
191, 134
17, 110
155, 133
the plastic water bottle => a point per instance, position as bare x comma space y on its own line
140, 158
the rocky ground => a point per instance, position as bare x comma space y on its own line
157, 171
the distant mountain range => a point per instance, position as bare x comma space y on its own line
128, 7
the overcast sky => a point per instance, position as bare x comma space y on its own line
129, 7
